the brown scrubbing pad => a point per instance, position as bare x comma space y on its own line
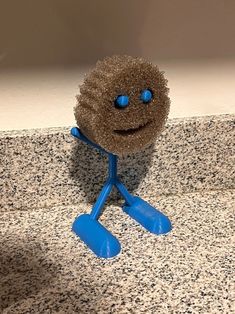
122, 130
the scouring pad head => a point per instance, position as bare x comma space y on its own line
123, 104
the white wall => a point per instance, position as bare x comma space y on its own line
80, 31
46, 46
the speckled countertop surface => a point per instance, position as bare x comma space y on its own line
47, 178
47, 167
45, 269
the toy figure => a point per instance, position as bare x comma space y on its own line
122, 108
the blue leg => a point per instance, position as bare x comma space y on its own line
96, 209
96, 236
148, 216
145, 214
123, 191
92, 233
87, 227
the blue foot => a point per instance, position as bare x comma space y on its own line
148, 216
96, 236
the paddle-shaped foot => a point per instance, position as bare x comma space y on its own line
96, 236
148, 216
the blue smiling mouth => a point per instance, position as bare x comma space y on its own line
130, 131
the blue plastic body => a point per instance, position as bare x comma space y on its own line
96, 236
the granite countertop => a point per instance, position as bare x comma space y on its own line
48, 178
45, 268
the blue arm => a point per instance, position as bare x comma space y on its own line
78, 134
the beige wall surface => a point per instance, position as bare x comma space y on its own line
46, 47
67, 32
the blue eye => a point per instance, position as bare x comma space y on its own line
146, 96
122, 101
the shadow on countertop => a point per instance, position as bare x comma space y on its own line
89, 169
24, 271
31, 283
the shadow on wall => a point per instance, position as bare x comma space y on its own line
90, 173
67, 32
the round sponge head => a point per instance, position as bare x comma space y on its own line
123, 104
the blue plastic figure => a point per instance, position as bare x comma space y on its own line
92, 232
122, 108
